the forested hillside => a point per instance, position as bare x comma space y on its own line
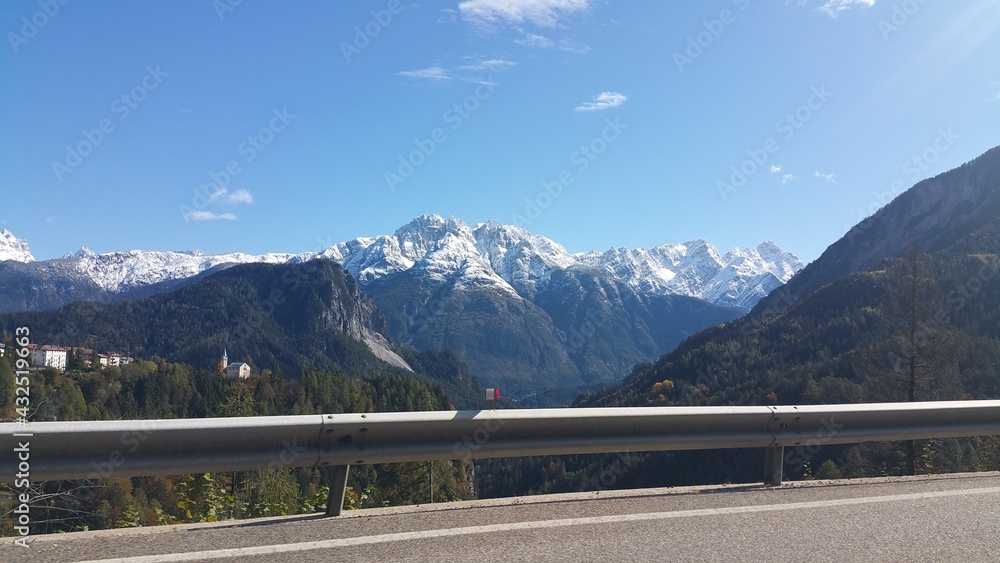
147, 390
284, 318
903, 308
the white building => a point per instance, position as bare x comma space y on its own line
49, 356
113, 359
238, 370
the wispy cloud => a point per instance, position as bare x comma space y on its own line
479, 72
535, 40
240, 196
209, 216
833, 8
222, 195
543, 13
828, 178
786, 177
490, 64
602, 101
447, 15
429, 73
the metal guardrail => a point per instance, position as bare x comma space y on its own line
101, 449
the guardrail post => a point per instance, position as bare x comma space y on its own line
338, 488
774, 457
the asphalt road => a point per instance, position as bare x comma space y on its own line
940, 518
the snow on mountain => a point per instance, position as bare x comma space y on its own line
504, 257
124, 270
514, 260
13, 248
740, 278
518, 257
443, 249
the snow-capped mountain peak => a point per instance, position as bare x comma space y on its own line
504, 258
123, 270
84, 252
13, 248
514, 260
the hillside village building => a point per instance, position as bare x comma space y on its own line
236, 370
49, 356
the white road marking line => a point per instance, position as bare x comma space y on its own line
532, 525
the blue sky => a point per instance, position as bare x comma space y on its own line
264, 126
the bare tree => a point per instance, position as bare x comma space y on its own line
919, 360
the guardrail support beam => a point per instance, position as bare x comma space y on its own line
338, 488
774, 458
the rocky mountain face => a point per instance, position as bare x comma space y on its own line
539, 321
13, 248
525, 313
513, 259
300, 316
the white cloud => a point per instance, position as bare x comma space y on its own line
785, 177
488, 81
225, 196
209, 216
430, 73
543, 13
828, 178
490, 64
533, 40
240, 196
833, 8
602, 101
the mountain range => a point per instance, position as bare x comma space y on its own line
521, 310
506, 256
817, 338
903, 307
